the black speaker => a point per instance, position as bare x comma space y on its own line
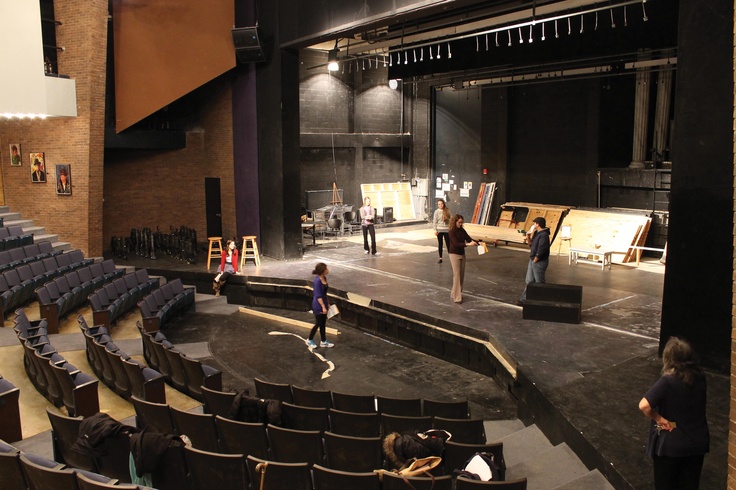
388, 215
248, 46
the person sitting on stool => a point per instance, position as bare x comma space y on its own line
228, 266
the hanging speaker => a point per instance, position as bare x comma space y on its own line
248, 46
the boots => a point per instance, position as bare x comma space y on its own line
216, 286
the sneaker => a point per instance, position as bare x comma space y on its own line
366, 252
326, 343
376, 253
439, 261
311, 344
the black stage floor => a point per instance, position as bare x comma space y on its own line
592, 374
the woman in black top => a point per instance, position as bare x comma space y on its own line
678, 438
459, 239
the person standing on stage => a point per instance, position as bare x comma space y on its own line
441, 224
676, 404
459, 239
367, 220
538, 238
320, 305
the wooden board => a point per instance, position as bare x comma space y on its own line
605, 230
391, 194
492, 234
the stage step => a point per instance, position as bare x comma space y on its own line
548, 469
498, 429
593, 480
523, 444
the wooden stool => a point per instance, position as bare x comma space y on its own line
215, 250
250, 251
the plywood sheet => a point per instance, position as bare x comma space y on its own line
604, 230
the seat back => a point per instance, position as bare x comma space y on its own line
449, 410
64, 433
41, 477
465, 484
353, 403
155, 416
87, 483
457, 454
213, 470
242, 437
311, 398
200, 428
79, 393
355, 424
176, 373
331, 479
357, 454
393, 481
10, 428
407, 407
304, 418
11, 473
466, 431
273, 391
295, 446
271, 475
217, 402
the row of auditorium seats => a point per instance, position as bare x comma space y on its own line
119, 296
55, 378
183, 373
366, 403
218, 434
121, 373
14, 257
160, 306
365, 424
66, 293
18, 284
10, 428
13, 237
22, 471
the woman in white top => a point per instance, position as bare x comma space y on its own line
367, 218
441, 224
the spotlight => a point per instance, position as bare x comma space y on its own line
332, 60
393, 84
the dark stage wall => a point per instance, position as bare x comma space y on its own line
697, 291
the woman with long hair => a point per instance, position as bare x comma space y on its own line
459, 239
320, 305
678, 436
441, 224
228, 266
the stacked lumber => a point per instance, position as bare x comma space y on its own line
605, 230
509, 230
484, 204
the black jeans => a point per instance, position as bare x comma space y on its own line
320, 322
372, 230
440, 236
677, 473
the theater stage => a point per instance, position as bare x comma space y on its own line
580, 383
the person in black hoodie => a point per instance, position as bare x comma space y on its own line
538, 237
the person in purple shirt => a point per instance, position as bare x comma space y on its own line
320, 305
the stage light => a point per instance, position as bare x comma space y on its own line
332, 64
393, 84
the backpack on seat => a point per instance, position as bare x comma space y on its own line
481, 467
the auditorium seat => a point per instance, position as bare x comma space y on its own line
242, 437
177, 377
11, 473
406, 407
154, 416
457, 454
295, 446
355, 424
466, 484
200, 428
330, 479
353, 403
10, 428
392, 481
466, 431
273, 391
311, 398
86, 483
358, 454
79, 392
397, 423
217, 402
199, 375
304, 418
271, 475
64, 433
145, 383
41, 477
217, 471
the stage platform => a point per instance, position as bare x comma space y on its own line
580, 383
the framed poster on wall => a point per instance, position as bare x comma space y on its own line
64, 180
38, 168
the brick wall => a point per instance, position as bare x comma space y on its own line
75, 141
173, 192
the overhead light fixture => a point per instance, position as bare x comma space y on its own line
332, 64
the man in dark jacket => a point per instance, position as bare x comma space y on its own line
538, 235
